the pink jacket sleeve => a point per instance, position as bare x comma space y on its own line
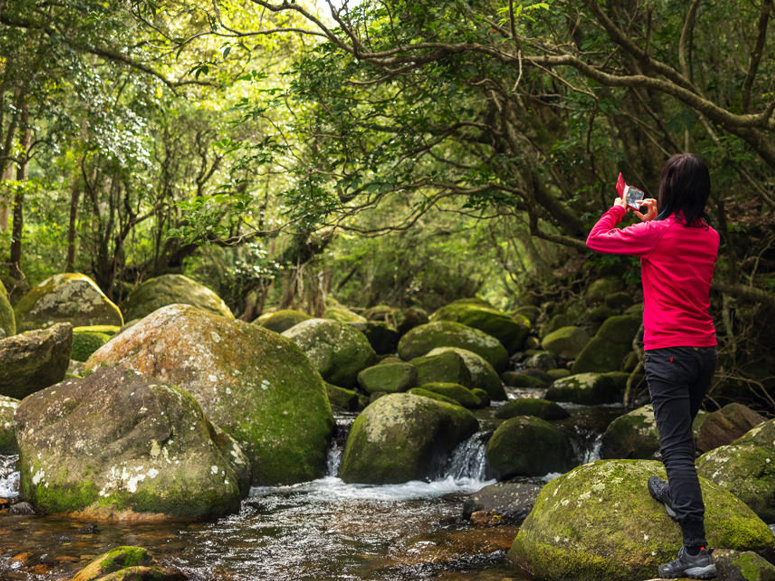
636, 240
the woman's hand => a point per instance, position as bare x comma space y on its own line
651, 209
621, 202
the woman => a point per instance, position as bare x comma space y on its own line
678, 252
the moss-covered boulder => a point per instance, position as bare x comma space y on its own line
482, 374
422, 392
86, 342
71, 298
446, 366
337, 351
746, 467
343, 399
610, 345
33, 360
527, 446
127, 564
388, 377
619, 301
528, 406
7, 317
170, 289
599, 523
566, 342
462, 395
724, 426
382, 338
117, 444
543, 360
520, 379
343, 315
598, 290
510, 331
585, 388
531, 312
8, 407
420, 340
255, 384
402, 437
742, 566
282, 320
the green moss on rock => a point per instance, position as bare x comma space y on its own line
482, 374
343, 399
7, 317
282, 320
519, 379
170, 289
510, 331
527, 446
8, 407
585, 389
388, 378
566, 342
609, 346
528, 406
462, 395
86, 342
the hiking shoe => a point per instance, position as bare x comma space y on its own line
660, 490
699, 566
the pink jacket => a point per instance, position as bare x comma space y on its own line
677, 268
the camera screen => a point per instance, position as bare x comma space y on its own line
633, 196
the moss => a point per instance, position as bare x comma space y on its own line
482, 374
87, 342
527, 446
510, 331
281, 320
172, 289
388, 377
528, 406
608, 348
7, 316
585, 389
433, 395
462, 395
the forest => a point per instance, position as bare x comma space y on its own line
381, 152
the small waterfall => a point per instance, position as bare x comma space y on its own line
9, 477
586, 445
336, 447
469, 459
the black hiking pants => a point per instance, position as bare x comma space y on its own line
678, 378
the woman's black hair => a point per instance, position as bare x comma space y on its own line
684, 189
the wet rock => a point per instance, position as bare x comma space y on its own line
8, 407
724, 426
337, 351
86, 342
527, 446
402, 437
420, 340
462, 395
510, 501
382, 338
21, 509
118, 444
742, 566
542, 360
585, 388
281, 320
388, 377
518, 379
71, 298
482, 374
343, 399
34, 360
125, 564
610, 345
566, 342
746, 467
255, 384
528, 406
510, 331
7, 317
598, 523
170, 289
420, 391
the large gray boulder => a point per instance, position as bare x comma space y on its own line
255, 384
599, 523
7, 317
337, 351
33, 360
170, 289
724, 426
402, 437
121, 445
8, 407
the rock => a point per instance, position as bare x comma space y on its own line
528, 446
511, 332
542, 360
66, 298
517, 379
585, 388
725, 425
127, 564
384, 314
566, 342
282, 320
420, 340
255, 384
511, 501
609, 347
558, 373
402, 437
121, 445
7, 317
8, 407
34, 360
382, 338
460, 394
343, 399
21, 509
528, 406
557, 321
530, 312
170, 289
482, 374
483, 396
422, 392
388, 378
619, 301
598, 290
408, 319
343, 315
742, 566
337, 351
86, 342
746, 467
599, 523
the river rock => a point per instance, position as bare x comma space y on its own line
423, 339
421, 391
599, 523
127, 564
742, 566
343, 315
585, 388
482, 374
566, 342
86, 342
402, 437
343, 399
71, 298
281, 320
117, 444
8, 407
169, 289
388, 377
409, 318
610, 345
511, 501
528, 446
724, 426
619, 301
33, 360
510, 331
529, 406
460, 394
255, 384
337, 351
522, 379
382, 338
746, 467
542, 360
531, 312
598, 290
7, 317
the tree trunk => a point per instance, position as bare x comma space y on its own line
75, 197
5, 207
18, 202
